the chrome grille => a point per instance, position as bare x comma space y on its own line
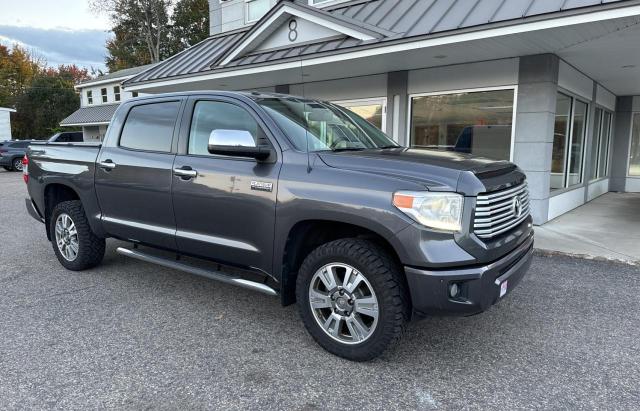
496, 212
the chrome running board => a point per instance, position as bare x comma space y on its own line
211, 274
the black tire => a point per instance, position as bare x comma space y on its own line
90, 247
16, 164
386, 280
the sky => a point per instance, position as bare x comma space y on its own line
60, 31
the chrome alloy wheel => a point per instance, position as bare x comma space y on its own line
343, 303
17, 164
67, 237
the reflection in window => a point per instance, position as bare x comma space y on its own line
371, 111
560, 136
478, 123
634, 162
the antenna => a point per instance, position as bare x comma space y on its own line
306, 129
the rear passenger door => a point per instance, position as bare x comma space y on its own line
134, 175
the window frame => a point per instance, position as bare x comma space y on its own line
174, 135
513, 87
89, 94
596, 139
367, 102
568, 146
117, 94
185, 129
104, 93
246, 11
628, 171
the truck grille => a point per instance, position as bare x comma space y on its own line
500, 211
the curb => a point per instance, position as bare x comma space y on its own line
553, 253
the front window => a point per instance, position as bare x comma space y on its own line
256, 9
568, 142
634, 162
600, 145
478, 123
103, 92
322, 126
116, 93
89, 97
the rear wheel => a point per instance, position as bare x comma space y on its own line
75, 245
17, 164
352, 298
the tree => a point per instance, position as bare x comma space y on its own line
18, 68
47, 101
144, 32
141, 28
190, 24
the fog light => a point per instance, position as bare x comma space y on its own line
454, 290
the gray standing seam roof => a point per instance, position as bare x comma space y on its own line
91, 115
400, 18
118, 74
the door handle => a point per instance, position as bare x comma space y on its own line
185, 173
107, 165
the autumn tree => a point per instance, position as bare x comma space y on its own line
148, 31
190, 24
17, 70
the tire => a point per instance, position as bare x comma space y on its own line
378, 330
16, 164
89, 250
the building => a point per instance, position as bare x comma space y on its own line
5, 123
99, 99
553, 85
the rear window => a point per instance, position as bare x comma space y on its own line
150, 127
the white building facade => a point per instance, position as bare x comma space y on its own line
99, 99
547, 84
5, 123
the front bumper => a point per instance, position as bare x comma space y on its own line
480, 286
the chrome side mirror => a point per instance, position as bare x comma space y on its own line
237, 143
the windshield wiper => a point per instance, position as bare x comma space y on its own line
348, 149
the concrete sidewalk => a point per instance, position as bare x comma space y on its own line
607, 227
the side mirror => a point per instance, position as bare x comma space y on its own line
237, 143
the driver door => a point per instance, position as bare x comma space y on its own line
225, 206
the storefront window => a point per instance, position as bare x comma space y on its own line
568, 142
600, 145
479, 123
634, 161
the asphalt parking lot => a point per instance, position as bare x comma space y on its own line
132, 335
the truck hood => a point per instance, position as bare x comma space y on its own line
435, 169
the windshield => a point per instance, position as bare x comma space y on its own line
323, 126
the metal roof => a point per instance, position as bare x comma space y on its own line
401, 19
91, 115
118, 74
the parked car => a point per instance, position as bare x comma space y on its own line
11, 153
290, 197
67, 137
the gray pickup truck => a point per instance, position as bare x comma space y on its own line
291, 197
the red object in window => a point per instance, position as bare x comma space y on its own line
25, 168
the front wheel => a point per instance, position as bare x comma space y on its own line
75, 245
352, 298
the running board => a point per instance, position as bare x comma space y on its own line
211, 274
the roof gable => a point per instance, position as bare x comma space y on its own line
289, 24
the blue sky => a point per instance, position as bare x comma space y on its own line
61, 31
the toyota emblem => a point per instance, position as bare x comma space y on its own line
516, 207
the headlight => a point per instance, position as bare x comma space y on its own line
440, 211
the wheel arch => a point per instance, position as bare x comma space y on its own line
306, 235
